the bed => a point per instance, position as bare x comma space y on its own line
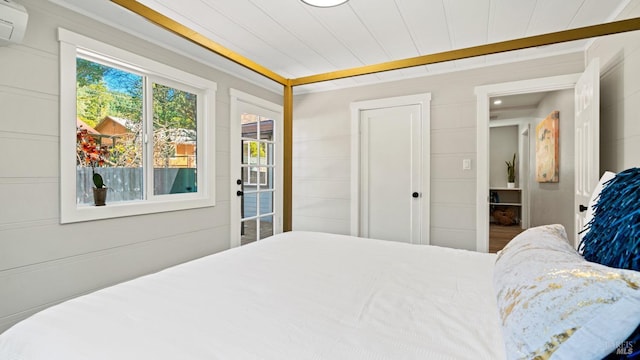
309, 295
297, 295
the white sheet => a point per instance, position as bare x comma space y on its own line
298, 295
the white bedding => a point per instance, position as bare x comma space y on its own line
298, 295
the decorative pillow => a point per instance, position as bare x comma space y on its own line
614, 232
554, 304
595, 196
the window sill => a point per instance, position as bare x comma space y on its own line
80, 213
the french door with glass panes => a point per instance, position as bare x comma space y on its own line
256, 191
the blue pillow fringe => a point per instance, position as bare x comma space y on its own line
614, 231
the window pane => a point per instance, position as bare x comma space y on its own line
251, 152
250, 177
174, 140
248, 232
246, 151
249, 203
245, 175
268, 158
266, 202
268, 184
262, 154
266, 129
108, 132
266, 226
262, 173
253, 176
249, 126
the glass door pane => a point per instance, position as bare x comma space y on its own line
257, 169
266, 226
248, 232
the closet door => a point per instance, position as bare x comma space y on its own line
391, 174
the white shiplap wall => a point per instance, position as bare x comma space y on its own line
321, 179
619, 96
43, 262
322, 146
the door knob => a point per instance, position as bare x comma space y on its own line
239, 182
239, 193
582, 208
415, 194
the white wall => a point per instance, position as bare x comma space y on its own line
321, 135
619, 96
503, 143
322, 146
43, 262
552, 203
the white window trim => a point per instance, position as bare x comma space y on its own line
70, 44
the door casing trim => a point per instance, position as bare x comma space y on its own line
483, 95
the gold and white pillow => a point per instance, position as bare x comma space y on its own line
556, 305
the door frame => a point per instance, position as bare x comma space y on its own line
483, 95
236, 97
424, 101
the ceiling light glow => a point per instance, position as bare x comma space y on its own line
324, 3
497, 102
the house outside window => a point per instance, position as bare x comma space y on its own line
151, 124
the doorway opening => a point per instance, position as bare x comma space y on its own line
484, 96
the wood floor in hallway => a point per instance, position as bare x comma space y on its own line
500, 235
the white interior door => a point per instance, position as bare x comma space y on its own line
587, 140
391, 169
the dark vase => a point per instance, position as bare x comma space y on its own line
99, 196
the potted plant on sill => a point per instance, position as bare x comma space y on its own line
511, 173
91, 154
99, 191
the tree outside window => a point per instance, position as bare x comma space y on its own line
110, 108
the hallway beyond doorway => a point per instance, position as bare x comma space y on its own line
500, 235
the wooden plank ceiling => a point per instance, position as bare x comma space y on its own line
296, 40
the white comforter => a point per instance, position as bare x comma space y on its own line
298, 295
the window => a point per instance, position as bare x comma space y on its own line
145, 128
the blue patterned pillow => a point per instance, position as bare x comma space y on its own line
555, 304
613, 237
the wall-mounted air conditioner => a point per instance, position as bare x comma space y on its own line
13, 22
